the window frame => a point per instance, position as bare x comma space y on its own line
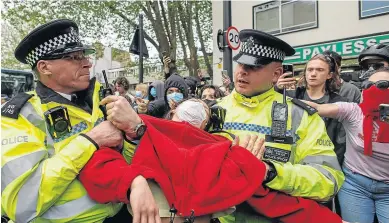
280, 17
369, 16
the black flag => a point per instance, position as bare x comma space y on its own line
134, 48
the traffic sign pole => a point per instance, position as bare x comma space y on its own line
227, 53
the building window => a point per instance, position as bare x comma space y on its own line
369, 8
279, 17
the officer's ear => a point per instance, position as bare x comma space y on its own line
43, 68
277, 73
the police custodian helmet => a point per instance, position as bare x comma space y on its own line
259, 48
50, 41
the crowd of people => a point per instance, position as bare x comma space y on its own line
182, 150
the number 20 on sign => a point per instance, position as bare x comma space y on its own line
232, 36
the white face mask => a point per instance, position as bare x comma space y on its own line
192, 112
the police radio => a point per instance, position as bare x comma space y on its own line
279, 122
104, 92
59, 122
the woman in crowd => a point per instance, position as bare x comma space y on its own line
122, 85
365, 191
156, 90
320, 84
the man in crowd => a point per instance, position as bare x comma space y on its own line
373, 58
347, 90
306, 166
50, 134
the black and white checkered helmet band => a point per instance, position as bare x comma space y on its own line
51, 45
262, 51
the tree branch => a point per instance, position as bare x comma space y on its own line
165, 22
132, 23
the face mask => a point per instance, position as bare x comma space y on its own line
366, 74
153, 92
210, 103
138, 94
372, 98
176, 97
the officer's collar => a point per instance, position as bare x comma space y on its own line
48, 95
254, 100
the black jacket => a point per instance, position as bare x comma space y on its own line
160, 107
335, 129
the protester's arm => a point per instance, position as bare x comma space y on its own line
316, 173
107, 177
325, 110
284, 208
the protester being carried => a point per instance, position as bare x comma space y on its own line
177, 156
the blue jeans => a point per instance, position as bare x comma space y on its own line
361, 198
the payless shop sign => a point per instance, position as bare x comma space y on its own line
346, 48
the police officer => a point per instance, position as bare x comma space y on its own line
305, 166
373, 58
48, 135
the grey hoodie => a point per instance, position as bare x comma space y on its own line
159, 87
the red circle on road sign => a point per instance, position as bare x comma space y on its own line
232, 36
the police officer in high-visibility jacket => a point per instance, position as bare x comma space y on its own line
49, 134
304, 166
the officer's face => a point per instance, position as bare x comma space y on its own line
67, 75
317, 73
250, 81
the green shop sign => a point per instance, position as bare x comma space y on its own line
346, 48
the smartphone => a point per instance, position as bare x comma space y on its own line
164, 53
384, 112
288, 68
225, 74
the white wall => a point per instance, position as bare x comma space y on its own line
337, 20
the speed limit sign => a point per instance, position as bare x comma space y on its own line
233, 40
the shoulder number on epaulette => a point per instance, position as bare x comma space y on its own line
12, 108
310, 110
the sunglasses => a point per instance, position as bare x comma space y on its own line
375, 66
383, 84
251, 68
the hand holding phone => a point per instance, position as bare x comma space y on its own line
286, 79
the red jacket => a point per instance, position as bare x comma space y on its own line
196, 171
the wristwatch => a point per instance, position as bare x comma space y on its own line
271, 173
139, 131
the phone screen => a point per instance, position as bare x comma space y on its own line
288, 68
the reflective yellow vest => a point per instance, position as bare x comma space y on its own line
307, 168
39, 172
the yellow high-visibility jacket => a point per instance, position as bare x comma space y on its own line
306, 168
39, 172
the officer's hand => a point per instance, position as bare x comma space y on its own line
285, 82
144, 207
254, 144
106, 134
121, 114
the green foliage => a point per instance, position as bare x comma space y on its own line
109, 22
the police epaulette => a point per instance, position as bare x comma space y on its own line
11, 109
306, 107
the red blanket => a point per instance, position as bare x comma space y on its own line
196, 171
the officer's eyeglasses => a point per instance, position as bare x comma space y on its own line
76, 57
383, 84
251, 68
375, 66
